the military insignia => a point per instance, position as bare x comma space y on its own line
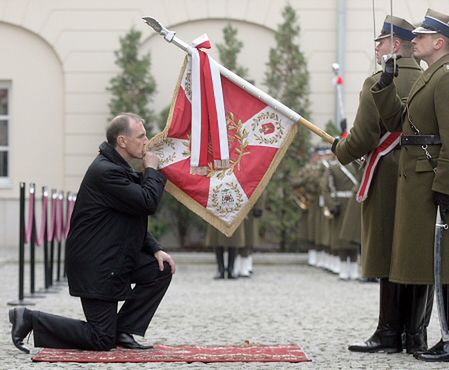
267, 127
227, 198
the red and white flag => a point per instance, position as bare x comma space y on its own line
257, 138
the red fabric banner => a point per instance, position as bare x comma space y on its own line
258, 138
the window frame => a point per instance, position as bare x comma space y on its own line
5, 181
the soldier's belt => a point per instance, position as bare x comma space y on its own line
420, 140
342, 194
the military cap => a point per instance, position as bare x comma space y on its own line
434, 22
401, 28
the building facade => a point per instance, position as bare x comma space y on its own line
57, 57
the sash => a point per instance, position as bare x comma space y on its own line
386, 145
208, 113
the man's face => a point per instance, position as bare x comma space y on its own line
383, 47
136, 140
423, 46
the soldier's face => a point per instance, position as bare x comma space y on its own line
425, 46
383, 47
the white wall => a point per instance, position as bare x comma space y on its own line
59, 55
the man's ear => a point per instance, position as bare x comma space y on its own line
439, 43
121, 141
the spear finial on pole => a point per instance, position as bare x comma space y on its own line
278, 106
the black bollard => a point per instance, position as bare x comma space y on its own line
52, 236
21, 301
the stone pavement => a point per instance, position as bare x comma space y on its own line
285, 302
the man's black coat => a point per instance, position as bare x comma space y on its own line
109, 226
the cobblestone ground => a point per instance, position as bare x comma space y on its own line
285, 302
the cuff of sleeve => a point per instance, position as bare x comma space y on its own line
151, 172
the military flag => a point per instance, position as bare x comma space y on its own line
257, 137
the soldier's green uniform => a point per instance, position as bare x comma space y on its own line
378, 210
219, 242
340, 184
351, 227
422, 180
428, 110
244, 267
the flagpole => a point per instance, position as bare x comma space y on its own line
170, 37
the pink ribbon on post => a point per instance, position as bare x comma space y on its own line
31, 218
40, 239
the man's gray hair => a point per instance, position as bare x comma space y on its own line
119, 125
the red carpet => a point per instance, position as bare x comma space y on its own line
160, 353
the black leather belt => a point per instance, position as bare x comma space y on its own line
420, 140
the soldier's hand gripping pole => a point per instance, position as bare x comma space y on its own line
267, 99
440, 227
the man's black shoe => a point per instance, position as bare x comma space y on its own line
379, 343
21, 327
127, 341
438, 353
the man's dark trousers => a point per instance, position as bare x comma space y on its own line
103, 321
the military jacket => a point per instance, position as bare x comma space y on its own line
427, 109
378, 209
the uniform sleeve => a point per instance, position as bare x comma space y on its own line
441, 100
124, 195
365, 134
390, 107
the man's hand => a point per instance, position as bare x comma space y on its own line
257, 212
442, 200
390, 70
334, 144
162, 257
150, 159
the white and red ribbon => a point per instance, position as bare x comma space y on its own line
208, 113
386, 145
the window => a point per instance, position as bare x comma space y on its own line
5, 102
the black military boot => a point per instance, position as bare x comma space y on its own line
387, 337
415, 321
440, 351
219, 253
232, 253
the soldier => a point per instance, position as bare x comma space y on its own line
305, 187
339, 191
219, 242
364, 139
423, 182
350, 231
245, 265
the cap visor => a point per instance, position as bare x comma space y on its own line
382, 36
422, 30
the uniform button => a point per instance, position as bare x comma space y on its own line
112, 274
